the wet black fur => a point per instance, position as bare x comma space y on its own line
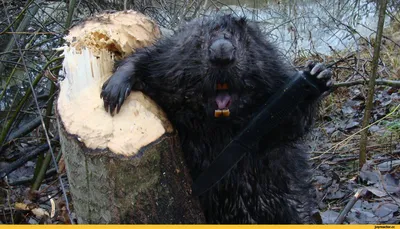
272, 184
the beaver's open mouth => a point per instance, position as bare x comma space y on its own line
223, 100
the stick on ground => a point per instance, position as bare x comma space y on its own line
349, 205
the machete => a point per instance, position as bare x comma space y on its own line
279, 105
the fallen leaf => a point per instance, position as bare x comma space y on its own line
374, 128
38, 212
53, 207
376, 191
21, 206
371, 177
347, 110
385, 209
61, 166
32, 221
351, 124
336, 195
329, 217
329, 130
388, 165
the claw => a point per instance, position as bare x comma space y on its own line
105, 84
102, 94
114, 92
320, 73
317, 68
120, 101
309, 64
117, 109
325, 74
127, 91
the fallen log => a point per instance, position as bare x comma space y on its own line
128, 168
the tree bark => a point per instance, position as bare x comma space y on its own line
128, 168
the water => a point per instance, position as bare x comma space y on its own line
323, 26
297, 27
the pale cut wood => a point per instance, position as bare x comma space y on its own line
123, 169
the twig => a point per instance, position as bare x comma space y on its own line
21, 161
340, 60
349, 205
26, 129
29, 179
391, 83
28, 15
344, 141
27, 96
30, 33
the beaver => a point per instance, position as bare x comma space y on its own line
211, 77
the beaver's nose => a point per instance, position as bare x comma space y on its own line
222, 52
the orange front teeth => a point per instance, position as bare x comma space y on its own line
226, 113
223, 86
219, 113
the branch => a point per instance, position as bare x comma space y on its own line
349, 205
21, 161
391, 83
371, 84
25, 129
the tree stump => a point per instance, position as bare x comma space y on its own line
128, 168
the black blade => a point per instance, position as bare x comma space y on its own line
229, 156
281, 104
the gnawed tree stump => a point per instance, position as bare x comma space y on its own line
123, 169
